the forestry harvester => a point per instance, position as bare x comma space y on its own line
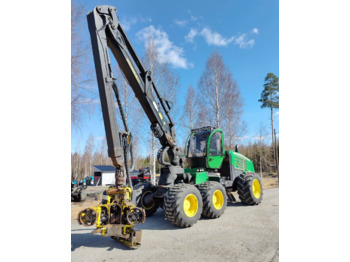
184, 193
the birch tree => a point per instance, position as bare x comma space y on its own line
190, 109
220, 102
88, 155
166, 82
81, 77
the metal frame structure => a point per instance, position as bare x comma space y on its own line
107, 34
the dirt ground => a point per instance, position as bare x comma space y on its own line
269, 181
92, 200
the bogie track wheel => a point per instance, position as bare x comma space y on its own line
139, 192
250, 189
183, 205
214, 199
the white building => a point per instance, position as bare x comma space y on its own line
104, 175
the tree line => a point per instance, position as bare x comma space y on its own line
94, 153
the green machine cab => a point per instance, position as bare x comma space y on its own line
208, 161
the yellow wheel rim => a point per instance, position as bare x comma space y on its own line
218, 199
190, 205
256, 188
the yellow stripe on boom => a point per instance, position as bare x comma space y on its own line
133, 70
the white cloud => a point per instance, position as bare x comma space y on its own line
193, 18
190, 36
127, 23
255, 31
180, 22
241, 137
146, 20
168, 51
262, 138
243, 43
214, 38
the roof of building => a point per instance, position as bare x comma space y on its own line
110, 169
104, 168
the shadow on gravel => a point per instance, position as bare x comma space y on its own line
157, 222
86, 239
236, 204
90, 240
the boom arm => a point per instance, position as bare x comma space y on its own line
106, 32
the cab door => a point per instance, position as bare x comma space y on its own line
215, 149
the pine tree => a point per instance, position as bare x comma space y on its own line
270, 98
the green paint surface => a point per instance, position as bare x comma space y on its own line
215, 162
199, 176
241, 162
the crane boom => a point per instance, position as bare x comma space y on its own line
107, 34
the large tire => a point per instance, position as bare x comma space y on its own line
139, 192
183, 205
250, 189
214, 199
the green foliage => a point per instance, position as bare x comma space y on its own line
146, 161
270, 94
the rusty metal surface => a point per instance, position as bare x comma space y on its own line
138, 235
87, 217
136, 216
115, 214
115, 230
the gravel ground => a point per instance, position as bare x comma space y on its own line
242, 233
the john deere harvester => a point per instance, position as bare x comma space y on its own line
213, 174
184, 193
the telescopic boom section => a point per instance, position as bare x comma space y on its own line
107, 33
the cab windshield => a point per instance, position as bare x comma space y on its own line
197, 144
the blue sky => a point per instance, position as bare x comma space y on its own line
246, 34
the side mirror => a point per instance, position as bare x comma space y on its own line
236, 149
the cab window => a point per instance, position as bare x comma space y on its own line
215, 147
197, 144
